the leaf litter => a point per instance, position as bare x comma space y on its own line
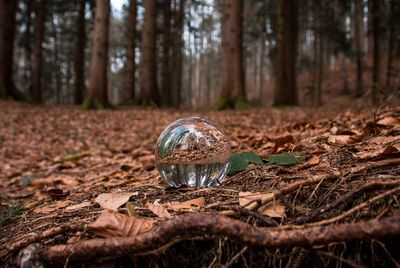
89, 177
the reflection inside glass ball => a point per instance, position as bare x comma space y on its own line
193, 152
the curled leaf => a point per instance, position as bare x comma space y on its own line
114, 224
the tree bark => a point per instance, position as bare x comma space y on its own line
233, 74
8, 9
166, 55
393, 14
97, 96
79, 62
130, 66
37, 51
358, 39
376, 87
148, 66
177, 56
285, 91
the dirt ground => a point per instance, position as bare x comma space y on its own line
338, 206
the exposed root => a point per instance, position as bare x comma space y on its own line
36, 237
188, 225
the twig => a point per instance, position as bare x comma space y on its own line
356, 208
316, 179
188, 225
340, 200
237, 255
339, 258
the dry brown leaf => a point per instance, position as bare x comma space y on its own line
344, 139
247, 197
381, 140
159, 210
113, 200
114, 224
283, 141
314, 160
79, 206
53, 207
380, 152
389, 121
276, 210
198, 202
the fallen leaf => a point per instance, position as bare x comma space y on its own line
131, 209
380, 152
159, 210
246, 198
79, 206
344, 139
114, 224
281, 141
57, 194
53, 207
381, 140
198, 202
276, 210
389, 121
113, 200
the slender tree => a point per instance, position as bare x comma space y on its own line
148, 67
232, 57
37, 51
97, 91
8, 10
285, 91
79, 62
130, 65
358, 43
177, 55
376, 87
166, 55
394, 14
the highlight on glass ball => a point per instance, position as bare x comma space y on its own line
193, 152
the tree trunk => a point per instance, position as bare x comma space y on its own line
177, 56
56, 67
285, 91
37, 51
97, 91
8, 11
166, 48
148, 66
358, 39
316, 96
392, 38
376, 87
233, 74
130, 66
344, 75
79, 62
27, 76
370, 28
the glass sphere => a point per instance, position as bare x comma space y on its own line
193, 152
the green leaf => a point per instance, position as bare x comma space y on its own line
239, 162
26, 181
286, 159
252, 158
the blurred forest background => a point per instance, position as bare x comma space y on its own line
199, 54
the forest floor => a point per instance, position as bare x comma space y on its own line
82, 187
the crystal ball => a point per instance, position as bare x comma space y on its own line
194, 152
